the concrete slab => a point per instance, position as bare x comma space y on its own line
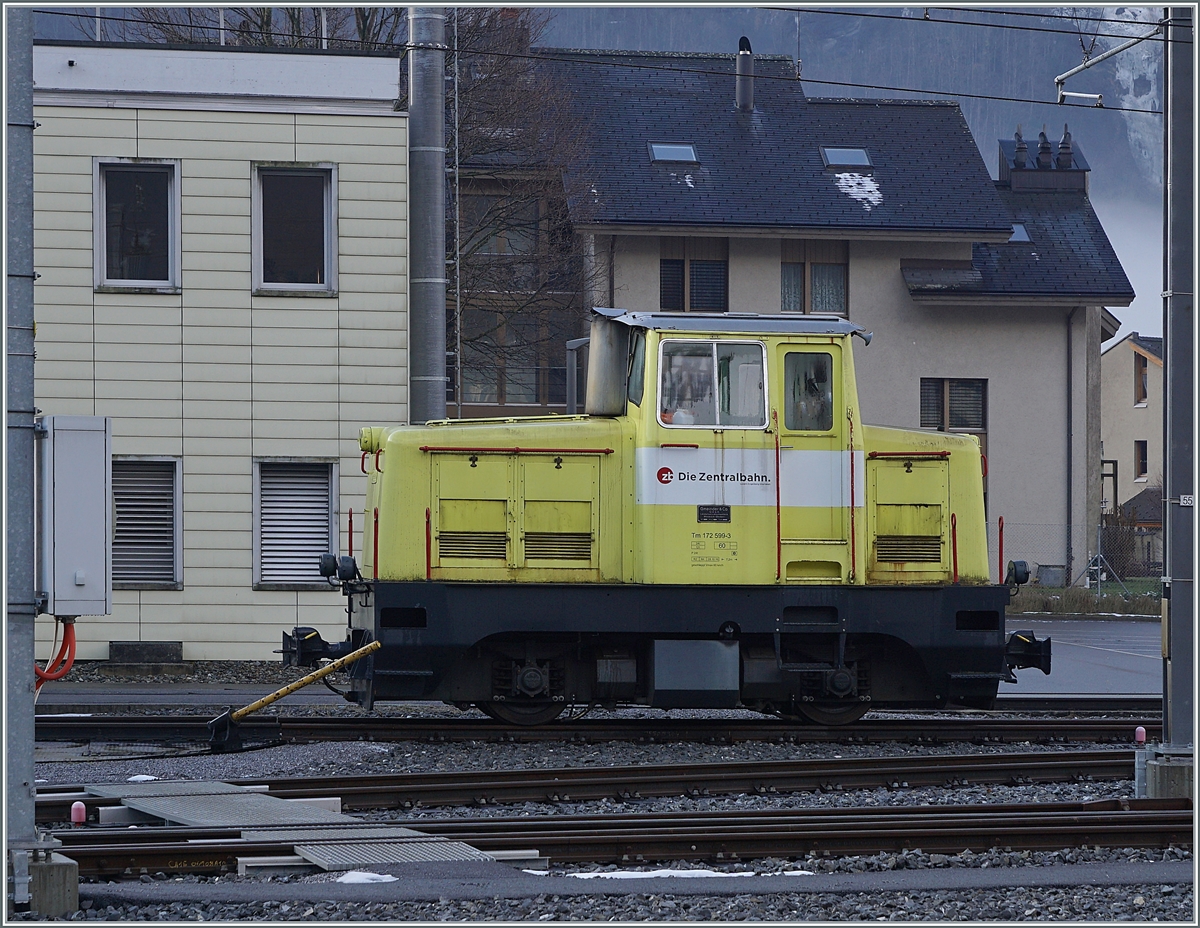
54, 886
486, 880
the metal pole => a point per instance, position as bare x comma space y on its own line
457, 243
427, 214
1179, 371
20, 831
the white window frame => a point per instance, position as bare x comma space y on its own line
176, 524
256, 532
330, 173
658, 397
99, 227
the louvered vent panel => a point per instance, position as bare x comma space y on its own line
293, 521
919, 548
475, 545
143, 549
558, 546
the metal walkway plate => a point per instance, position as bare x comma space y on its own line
233, 810
164, 788
329, 834
350, 856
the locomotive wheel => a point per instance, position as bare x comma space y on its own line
517, 713
834, 715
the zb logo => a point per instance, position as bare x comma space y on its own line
665, 475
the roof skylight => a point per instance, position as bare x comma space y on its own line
1019, 233
673, 151
845, 157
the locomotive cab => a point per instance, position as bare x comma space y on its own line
718, 530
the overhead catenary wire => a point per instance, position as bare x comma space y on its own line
967, 22
403, 47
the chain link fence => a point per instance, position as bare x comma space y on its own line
1129, 552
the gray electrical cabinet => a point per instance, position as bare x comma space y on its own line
75, 515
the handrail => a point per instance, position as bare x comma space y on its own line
908, 454
514, 450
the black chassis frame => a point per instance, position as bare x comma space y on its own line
943, 657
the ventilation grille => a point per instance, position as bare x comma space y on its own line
474, 545
294, 526
921, 548
558, 546
143, 547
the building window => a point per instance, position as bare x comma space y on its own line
136, 224
146, 527
711, 384
693, 274
295, 522
847, 159
295, 229
1141, 461
673, 151
1141, 380
670, 284
792, 287
814, 277
956, 405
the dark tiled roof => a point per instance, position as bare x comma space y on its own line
1148, 343
1068, 257
1146, 507
764, 169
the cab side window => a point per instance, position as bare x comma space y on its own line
714, 384
808, 391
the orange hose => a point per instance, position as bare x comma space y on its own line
53, 671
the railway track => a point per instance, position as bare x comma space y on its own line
690, 835
579, 784
267, 729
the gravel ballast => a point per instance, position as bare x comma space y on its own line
566, 900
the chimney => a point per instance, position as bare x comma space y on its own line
744, 93
1043, 155
1021, 152
1065, 154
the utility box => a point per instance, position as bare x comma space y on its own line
75, 515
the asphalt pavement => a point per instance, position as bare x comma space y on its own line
1116, 656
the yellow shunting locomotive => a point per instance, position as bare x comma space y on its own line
719, 530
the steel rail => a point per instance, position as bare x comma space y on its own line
193, 729
578, 784
692, 835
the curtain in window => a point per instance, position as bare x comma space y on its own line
791, 298
829, 288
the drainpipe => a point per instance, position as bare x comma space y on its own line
1070, 443
427, 214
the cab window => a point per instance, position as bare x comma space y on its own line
713, 384
808, 391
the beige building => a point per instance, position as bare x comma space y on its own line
1131, 429
222, 242
986, 296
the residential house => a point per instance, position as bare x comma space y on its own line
986, 298
1131, 416
221, 236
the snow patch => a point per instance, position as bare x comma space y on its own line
797, 873
366, 876
860, 187
652, 874
140, 778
